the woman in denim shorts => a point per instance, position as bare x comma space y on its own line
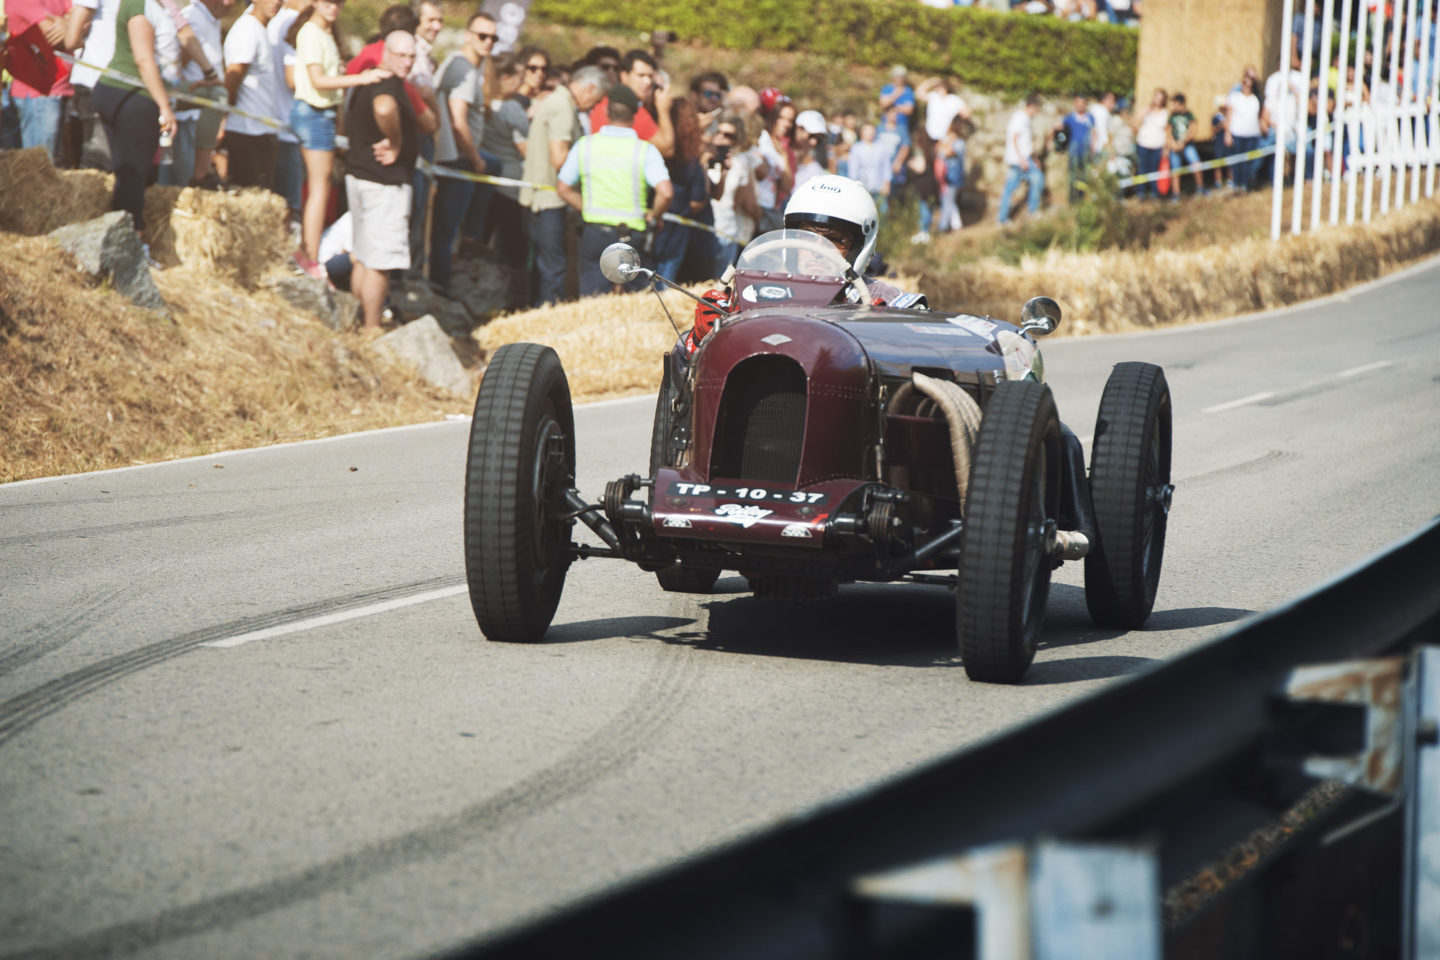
319, 82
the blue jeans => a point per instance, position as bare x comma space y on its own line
1245, 169
452, 200
1184, 158
725, 255
949, 209
547, 231
9, 122
418, 206
1149, 163
289, 174
40, 122
474, 223
1034, 176
927, 215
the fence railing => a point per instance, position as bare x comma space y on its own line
1377, 138
1062, 834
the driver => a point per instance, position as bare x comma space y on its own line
842, 211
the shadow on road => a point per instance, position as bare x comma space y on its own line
610, 628
1082, 668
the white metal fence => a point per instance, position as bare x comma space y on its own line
1377, 144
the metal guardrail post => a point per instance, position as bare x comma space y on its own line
1422, 816
1053, 900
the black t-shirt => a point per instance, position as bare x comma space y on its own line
364, 133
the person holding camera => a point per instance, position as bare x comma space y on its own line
729, 164
652, 121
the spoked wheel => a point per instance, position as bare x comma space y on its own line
676, 578
1130, 487
1005, 564
522, 460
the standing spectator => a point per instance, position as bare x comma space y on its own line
942, 105
1281, 110
1020, 159
691, 197
135, 119
252, 80
90, 33
870, 164
772, 176
707, 94
397, 16
319, 83
289, 165
1150, 137
1223, 175
41, 110
920, 183
891, 134
605, 177
422, 79
505, 138
729, 166
847, 126
553, 129
1242, 130
1079, 127
460, 91
199, 129
950, 153
1102, 111
381, 168
900, 95
652, 123
1182, 146
811, 140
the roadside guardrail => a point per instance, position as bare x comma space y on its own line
1059, 838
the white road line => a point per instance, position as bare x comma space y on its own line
270, 633
1243, 401
1356, 371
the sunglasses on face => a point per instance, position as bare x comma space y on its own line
727, 134
534, 66
609, 65
482, 37
710, 94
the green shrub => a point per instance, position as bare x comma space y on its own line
989, 50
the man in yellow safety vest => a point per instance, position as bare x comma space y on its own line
605, 177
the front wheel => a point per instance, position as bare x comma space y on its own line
1130, 487
675, 578
1004, 578
521, 463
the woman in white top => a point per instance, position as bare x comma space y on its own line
319, 80
1151, 131
1242, 129
730, 166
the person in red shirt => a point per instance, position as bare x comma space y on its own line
652, 122
40, 110
397, 16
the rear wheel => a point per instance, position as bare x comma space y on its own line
1005, 564
1130, 487
676, 578
521, 462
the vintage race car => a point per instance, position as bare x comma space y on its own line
815, 439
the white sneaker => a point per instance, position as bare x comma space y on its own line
149, 260
920, 237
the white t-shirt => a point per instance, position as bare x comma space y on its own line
248, 43
1244, 114
1019, 144
207, 31
1284, 113
727, 217
766, 190
100, 44
1154, 128
276, 29
940, 110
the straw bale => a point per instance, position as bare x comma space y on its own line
237, 236
35, 198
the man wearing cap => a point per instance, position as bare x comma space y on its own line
604, 177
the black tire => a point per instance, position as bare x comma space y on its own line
1004, 578
1130, 488
521, 462
676, 578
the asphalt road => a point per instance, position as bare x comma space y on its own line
245, 709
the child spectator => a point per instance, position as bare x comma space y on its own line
1182, 149
950, 173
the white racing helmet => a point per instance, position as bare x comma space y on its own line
836, 201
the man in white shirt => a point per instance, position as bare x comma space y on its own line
1281, 112
201, 128
1020, 159
1101, 110
942, 106
251, 73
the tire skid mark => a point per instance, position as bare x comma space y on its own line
1263, 462
46, 637
674, 673
84, 533
24, 711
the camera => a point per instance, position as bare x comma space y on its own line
722, 150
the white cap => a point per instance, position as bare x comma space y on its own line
812, 122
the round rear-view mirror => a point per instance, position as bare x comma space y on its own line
1039, 316
619, 263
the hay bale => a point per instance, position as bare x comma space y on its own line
239, 236
35, 198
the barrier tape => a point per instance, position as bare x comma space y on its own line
1231, 160
192, 101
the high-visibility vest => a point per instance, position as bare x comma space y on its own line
612, 180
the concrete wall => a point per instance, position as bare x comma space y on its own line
1200, 47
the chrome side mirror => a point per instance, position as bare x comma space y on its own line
1039, 316
620, 263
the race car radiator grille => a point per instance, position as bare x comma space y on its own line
761, 427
